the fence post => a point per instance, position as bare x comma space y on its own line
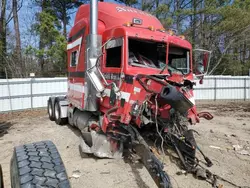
31, 93
215, 88
8, 84
245, 89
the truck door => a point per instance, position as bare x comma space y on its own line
112, 66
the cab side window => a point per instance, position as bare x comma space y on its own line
73, 59
114, 53
114, 56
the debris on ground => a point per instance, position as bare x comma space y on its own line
181, 172
76, 174
201, 173
237, 147
243, 152
215, 147
107, 172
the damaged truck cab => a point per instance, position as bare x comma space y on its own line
135, 44
130, 81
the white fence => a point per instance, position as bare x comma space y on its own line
223, 88
17, 94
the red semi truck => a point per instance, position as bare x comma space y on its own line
130, 84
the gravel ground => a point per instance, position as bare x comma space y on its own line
230, 126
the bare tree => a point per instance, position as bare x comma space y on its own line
18, 54
2, 36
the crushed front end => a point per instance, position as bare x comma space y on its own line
148, 105
158, 116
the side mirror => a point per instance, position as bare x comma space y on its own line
201, 61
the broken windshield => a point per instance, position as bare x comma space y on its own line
178, 59
151, 54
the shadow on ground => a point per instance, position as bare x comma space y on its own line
4, 126
75, 130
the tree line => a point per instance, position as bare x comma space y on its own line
222, 26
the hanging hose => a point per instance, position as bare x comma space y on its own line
156, 123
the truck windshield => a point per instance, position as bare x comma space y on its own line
151, 54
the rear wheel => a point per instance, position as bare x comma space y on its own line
38, 165
58, 119
50, 111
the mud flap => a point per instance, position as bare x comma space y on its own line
98, 145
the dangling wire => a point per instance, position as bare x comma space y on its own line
156, 123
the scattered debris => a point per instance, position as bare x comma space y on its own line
181, 172
201, 173
76, 174
233, 135
107, 172
4, 128
243, 152
220, 186
237, 147
215, 147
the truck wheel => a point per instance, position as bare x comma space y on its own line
58, 119
1, 177
50, 111
38, 165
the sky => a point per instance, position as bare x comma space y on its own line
27, 18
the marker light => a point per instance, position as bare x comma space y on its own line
182, 37
171, 32
151, 28
128, 24
162, 30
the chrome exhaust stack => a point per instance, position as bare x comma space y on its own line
93, 84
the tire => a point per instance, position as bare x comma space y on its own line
58, 119
1, 177
38, 165
50, 111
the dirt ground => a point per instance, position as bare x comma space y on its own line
230, 126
